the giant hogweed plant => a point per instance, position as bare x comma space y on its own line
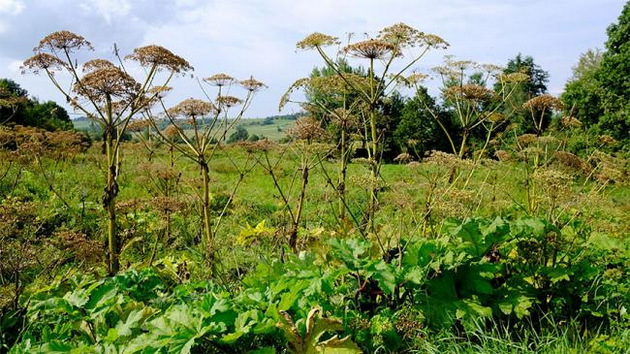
201, 125
333, 97
390, 54
107, 94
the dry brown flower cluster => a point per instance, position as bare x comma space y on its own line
571, 122
171, 131
370, 49
102, 84
606, 140
138, 125
95, 64
526, 139
469, 92
160, 91
517, 77
160, 58
220, 80
543, 102
256, 146
43, 61
572, 161
192, 108
403, 157
62, 40
252, 85
317, 40
442, 158
503, 155
79, 246
29, 141
307, 128
227, 102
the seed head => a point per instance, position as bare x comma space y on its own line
227, 102
43, 61
94, 64
370, 49
571, 122
542, 102
606, 140
307, 128
160, 57
109, 81
317, 40
470, 92
220, 80
171, 131
252, 85
64, 41
192, 108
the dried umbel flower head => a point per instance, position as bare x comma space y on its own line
403, 158
345, 118
138, 125
307, 128
401, 35
570, 160
255, 146
95, 64
252, 85
43, 61
526, 139
469, 92
192, 108
415, 79
317, 40
160, 58
370, 49
106, 82
503, 155
62, 40
543, 102
220, 80
160, 91
496, 117
571, 122
297, 85
517, 77
171, 131
606, 140
227, 102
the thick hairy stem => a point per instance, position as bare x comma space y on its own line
342, 176
373, 166
109, 203
298, 212
208, 236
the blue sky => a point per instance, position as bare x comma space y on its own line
258, 37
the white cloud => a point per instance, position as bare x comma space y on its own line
14, 66
11, 7
109, 9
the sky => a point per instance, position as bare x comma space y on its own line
256, 37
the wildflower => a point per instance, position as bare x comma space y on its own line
107, 81
43, 61
317, 40
307, 128
62, 40
570, 160
94, 64
571, 122
469, 92
526, 139
403, 158
606, 140
192, 108
171, 131
542, 102
370, 49
252, 85
228, 101
503, 155
220, 80
138, 125
160, 91
513, 77
160, 58
401, 35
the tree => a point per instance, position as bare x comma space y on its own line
240, 134
582, 95
614, 79
536, 85
17, 108
417, 131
